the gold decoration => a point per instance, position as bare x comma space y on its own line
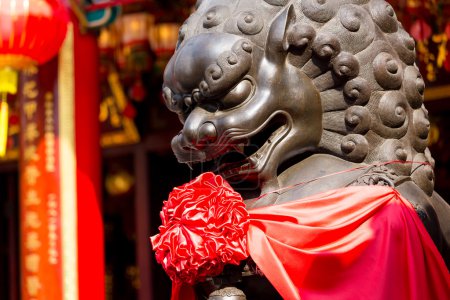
3, 124
113, 107
119, 183
16, 61
8, 80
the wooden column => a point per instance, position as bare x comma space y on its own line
142, 207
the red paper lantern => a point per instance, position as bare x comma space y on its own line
31, 32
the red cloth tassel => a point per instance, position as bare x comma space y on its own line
353, 243
183, 291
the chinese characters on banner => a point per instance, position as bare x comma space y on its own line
40, 222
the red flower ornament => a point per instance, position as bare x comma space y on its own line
204, 226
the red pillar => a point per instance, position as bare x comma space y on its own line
91, 267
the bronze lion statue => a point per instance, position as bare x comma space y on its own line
278, 92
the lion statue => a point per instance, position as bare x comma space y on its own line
281, 92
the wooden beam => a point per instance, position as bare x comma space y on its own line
437, 93
142, 215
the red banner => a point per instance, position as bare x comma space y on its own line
40, 212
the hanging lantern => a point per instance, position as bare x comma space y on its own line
136, 52
31, 32
163, 37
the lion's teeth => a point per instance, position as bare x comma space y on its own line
253, 160
239, 147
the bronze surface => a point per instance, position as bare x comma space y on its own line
278, 92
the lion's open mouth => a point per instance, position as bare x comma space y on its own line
249, 156
243, 155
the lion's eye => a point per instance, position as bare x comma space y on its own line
239, 94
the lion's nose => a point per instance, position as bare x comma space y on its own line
207, 134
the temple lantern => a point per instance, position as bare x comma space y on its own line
135, 48
163, 37
31, 33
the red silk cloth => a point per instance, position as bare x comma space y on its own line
364, 242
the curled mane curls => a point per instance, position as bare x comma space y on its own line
359, 58
362, 62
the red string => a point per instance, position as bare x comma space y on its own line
342, 172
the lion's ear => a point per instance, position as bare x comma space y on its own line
277, 44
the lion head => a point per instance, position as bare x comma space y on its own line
272, 79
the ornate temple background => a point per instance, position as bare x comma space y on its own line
133, 40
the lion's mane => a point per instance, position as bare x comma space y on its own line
362, 62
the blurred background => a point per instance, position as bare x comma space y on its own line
132, 41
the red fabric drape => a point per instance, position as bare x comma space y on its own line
352, 243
